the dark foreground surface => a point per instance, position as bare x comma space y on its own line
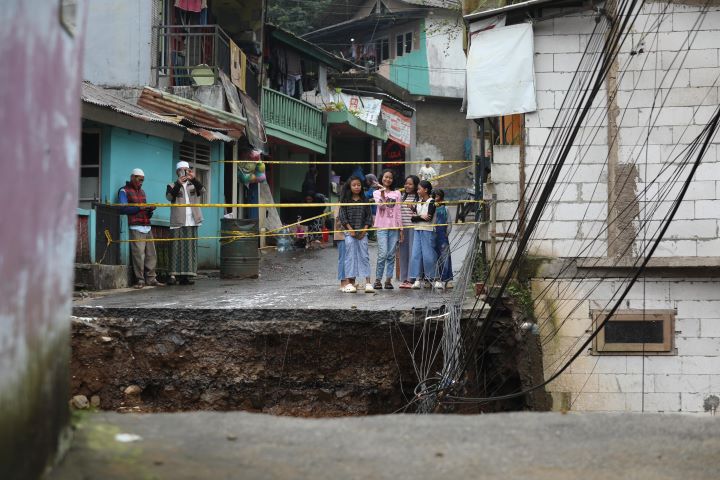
549, 446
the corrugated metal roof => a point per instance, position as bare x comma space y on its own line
480, 14
100, 97
436, 3
165, 103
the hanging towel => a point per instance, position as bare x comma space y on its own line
238, 66
191, 5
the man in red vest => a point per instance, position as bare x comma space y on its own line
143, 254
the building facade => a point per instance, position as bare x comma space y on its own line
661, 350
413, 50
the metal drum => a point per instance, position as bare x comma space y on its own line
239, 257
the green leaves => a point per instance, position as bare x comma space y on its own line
297, 16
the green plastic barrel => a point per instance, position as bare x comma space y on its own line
239, 257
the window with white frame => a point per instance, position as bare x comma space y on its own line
197, 154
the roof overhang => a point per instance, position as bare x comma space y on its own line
348, 124
310, 49
529, 7
373, 82
196, 113
107, 116
374, 22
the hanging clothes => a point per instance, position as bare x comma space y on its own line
191, 5
294, 65
238, 66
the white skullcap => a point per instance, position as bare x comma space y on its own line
182, 165
138, 172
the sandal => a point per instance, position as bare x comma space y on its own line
406, 285
378, 285
388, 285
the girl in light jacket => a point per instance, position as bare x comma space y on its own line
389, 220
423, 249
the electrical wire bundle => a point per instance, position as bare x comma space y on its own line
574, 132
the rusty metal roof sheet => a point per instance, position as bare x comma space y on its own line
208, 118
100, 97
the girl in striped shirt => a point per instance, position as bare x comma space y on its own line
356, 219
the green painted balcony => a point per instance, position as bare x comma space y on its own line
294, 121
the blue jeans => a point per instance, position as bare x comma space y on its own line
442, 248
341, 260
357, 258
404, 253
423, 254
387, 241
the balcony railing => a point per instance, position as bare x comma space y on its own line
291, 117
187, 52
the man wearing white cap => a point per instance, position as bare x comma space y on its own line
184, 223
142, 251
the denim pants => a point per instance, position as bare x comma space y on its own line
357, 257
442, 248
387, 244
423, 255
404, 253
341, 260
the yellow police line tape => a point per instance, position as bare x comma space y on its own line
275, 205
236, 234
284, 205
332, 162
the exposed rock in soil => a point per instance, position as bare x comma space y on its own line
285, 362
302, 368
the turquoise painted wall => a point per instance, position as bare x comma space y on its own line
410, 71
209, 249
123, 150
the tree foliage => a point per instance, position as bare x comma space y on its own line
297, 16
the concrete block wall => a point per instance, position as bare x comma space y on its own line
686, 85
675, 383
677, 71
577, 209
669, 92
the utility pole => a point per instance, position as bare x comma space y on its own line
479, 165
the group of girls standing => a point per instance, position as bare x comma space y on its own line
415, 221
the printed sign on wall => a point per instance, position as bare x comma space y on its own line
397, 125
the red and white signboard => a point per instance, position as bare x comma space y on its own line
397, 126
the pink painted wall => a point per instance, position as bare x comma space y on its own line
39, 153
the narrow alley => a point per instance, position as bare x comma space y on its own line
360, 239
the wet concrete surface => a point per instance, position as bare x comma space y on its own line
546, 446
300, 279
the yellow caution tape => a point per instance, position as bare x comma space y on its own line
236, 234
331, 162
271, 205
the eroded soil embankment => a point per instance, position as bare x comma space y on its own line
290, 362
313, 367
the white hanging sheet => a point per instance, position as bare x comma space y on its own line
500, 72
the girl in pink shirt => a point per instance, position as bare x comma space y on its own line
389, 220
